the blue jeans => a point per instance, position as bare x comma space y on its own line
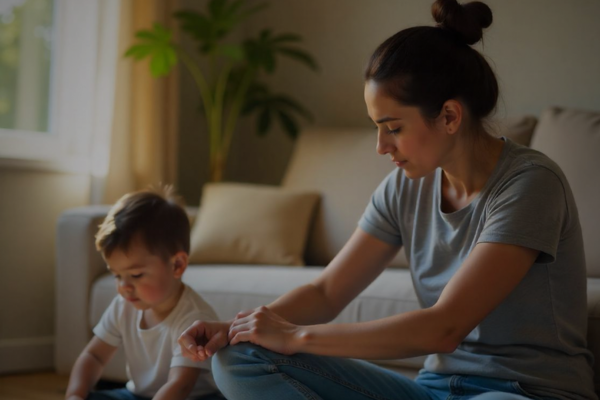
114, 394
249, 372
124, 394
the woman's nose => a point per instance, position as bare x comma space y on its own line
382, 146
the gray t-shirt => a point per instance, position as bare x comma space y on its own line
537, 335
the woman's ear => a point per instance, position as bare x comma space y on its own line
452, 114
180, 263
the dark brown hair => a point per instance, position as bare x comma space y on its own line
156, 215
425, 66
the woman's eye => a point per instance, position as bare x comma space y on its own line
394, 131
137, 276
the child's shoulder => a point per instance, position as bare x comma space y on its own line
192, 307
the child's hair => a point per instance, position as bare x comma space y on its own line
425, 66
155, 214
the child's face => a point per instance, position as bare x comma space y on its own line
145, 279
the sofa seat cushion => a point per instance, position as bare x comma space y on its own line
230, 289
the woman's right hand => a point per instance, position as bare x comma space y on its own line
203, 338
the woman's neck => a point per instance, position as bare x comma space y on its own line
470, 165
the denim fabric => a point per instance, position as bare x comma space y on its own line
124, 394
248, 372
115, 394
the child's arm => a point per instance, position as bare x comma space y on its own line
180, 384
88, 367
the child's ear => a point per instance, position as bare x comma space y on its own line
180, 263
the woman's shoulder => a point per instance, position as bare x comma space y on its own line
522, 158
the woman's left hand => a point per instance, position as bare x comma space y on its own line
263, 327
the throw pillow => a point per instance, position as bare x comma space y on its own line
251, 224
517, 129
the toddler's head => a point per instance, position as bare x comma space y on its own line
145, 240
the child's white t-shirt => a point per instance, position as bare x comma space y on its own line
150, 353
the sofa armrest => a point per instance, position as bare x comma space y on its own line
78, 264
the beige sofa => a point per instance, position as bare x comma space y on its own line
342, 165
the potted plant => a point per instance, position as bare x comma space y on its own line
227, 74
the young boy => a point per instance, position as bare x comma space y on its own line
145, 242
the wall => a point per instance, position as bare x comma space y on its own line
545, 52
30, 203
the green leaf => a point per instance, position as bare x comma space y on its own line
299, 55
264, 121
216, 7
139, 51
146, 35
268, 62
161, 33
156, 44
282, 101
289, 124
197, 25
264, 36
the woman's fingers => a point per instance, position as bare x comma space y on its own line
239, 328
190, 338
242, 336
244, 314
244, 317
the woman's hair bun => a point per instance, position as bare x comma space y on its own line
468, 19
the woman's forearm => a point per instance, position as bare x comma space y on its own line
406, 335
305, 305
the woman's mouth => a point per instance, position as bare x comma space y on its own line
400, 164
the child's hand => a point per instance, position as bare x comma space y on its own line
203, 339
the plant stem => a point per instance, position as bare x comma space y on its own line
198, 78
236, 107
213, 116
218, 158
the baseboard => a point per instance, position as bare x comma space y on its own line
31, 354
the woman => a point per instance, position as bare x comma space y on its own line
493, 238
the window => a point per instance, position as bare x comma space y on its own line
25, 54
50, 69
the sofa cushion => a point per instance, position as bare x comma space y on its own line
343, 166
252, 224
518, 129
572, 139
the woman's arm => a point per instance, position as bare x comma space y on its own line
88, 367
361, 260
486, 278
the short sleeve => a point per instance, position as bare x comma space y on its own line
529, 211
178, 359
380, 218
108, 328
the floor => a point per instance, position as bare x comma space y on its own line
38, 386
33, 386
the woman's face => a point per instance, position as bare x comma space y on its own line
402, 133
